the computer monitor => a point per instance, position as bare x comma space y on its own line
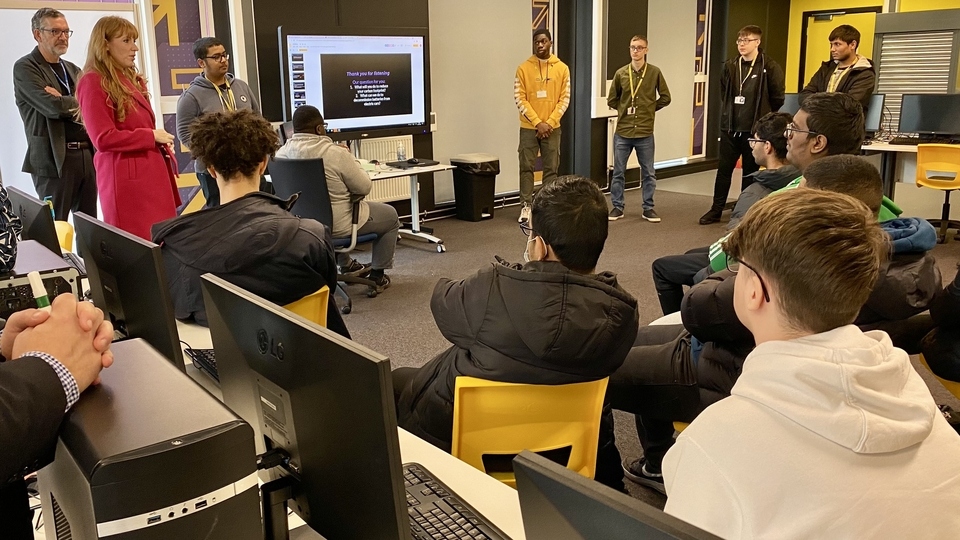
366, 82
37, 219
128, 283
324, 400
873, 116
930, 114
558, 503
791, 103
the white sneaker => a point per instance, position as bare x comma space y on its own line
524, 214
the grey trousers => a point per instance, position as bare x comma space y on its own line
549, 149
75, 190
384, 222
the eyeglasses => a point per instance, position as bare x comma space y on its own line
636, 48
744, 41
218, 57
753, 142
792, 128
527, 230
56, 32
734, 265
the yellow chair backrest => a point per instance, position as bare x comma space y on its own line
952, 386
938, 166
499, 420
312, 306
64, 235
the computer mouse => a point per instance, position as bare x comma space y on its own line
413, 161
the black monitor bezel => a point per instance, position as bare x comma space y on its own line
37, 219
920, 97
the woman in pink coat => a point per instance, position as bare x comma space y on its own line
135, 167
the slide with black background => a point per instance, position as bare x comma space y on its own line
364, 85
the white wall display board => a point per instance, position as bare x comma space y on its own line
16, 41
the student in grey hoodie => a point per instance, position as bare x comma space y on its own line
212, 91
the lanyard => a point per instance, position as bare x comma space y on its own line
835, 78
543, 80
228, 102
65, 83
740, 72
633, 91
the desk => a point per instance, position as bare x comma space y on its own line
888, 162
496, 501
414, 229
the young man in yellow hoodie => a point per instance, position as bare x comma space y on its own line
542, 93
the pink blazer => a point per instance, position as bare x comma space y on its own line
135, 176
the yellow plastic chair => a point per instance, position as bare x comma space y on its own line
952, 386
938, 167
313, 306
494, 421
64, 235
680, 426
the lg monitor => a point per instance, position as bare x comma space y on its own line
37, 219
930, 114
365, 83
128, 283
558, 503
872, 116
791, 103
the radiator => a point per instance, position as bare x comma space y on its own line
383, 150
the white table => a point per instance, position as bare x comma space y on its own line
493, 499
383, 173
889, 154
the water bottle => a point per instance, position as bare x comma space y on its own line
401, 152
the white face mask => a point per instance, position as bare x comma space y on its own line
526, 251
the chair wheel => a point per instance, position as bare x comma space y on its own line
372, 293
345, 310
441, 248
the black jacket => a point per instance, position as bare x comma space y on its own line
765, 182
253, 242
941, 347
769, 91
43, 115
907, 285
32, 403
539, 324
859, 83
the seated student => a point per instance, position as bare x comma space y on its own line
10, 230
251, 240
941, 347
719, 342
347, 183
829, 432
554, 320
769, 145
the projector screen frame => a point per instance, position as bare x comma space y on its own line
367, 132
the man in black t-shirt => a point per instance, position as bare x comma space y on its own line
751, 86
59, 154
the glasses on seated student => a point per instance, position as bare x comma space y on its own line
754, 142
527, 230
734, 265
792, 128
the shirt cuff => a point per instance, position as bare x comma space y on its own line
69, 383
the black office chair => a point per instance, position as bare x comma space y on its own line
307, 177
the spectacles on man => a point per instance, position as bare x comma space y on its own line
734, 265
792, 128
56, 32
637, 48
754, 142
744, 41
527, 230
218, 57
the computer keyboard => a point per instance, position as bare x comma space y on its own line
437, 513
916, 140
204, 360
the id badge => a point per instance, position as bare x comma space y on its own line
739, 100
541, 94
631, 110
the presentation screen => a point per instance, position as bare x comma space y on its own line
363, 85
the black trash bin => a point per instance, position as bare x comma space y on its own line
474, 183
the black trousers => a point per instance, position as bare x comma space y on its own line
15, 515
76, 188
672, 272
657, 383
733, 146
608, 470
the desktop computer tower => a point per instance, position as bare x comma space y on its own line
149, 454
57, 275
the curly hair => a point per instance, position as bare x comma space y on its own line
233, 142
99, 61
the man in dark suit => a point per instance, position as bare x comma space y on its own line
56, 356
59, 154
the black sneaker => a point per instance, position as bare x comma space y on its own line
615, 214
355, 269
382, 283
712, 216
636, 471
651, 216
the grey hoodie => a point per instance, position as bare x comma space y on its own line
202, 97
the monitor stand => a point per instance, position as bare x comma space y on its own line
273, 504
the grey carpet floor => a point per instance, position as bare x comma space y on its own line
399, 324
